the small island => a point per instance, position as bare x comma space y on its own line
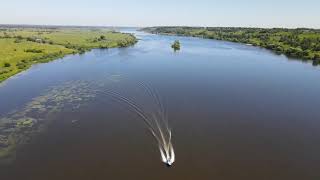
176, 45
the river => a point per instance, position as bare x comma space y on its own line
235, 112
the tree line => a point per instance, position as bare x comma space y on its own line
297, 43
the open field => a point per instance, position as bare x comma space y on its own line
296, 43
22, 47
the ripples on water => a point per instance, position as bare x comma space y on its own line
19, 126
144, 100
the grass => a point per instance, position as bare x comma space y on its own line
20, 48
15, 58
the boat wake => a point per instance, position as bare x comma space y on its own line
146, 102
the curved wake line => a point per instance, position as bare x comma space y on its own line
156, 120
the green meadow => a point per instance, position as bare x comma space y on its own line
20, 48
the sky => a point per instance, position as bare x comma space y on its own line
142, 13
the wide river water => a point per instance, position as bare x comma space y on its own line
236, 112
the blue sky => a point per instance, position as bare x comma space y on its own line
249, 13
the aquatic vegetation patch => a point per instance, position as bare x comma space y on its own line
18, 128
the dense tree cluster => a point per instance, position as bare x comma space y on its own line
176, 45
33, 51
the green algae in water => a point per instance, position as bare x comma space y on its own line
19, 127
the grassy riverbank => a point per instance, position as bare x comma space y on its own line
20, 48
296, 43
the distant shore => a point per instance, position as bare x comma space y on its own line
296, 43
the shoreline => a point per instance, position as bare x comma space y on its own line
280, 49
2, 81
22, 48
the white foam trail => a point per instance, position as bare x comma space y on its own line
154, 115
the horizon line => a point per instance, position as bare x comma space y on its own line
127, 26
